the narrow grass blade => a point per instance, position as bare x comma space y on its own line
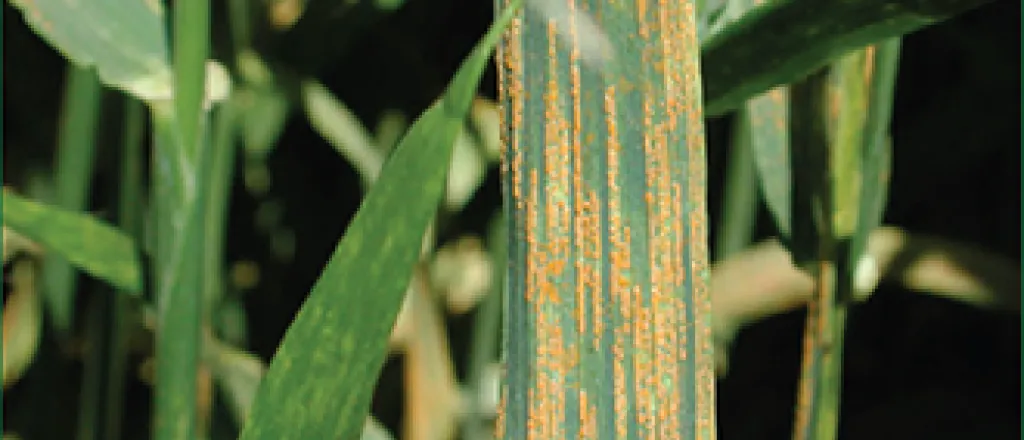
124, 40
106, 321
321, 379
89, 244
837, 110
130, 214
221, 169
241, 19
760, 149
877, 151
607, 314
861, 160
811, 243
342, 129
785, 40
767, 120
73, 174
739, 206
90, 415
849, 97
809, 157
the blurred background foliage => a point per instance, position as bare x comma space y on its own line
916, 366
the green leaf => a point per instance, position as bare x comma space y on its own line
877, 150
125, 40
73, 173
763, 133
739, 207
218, 187
785, 40
89, 244
809, 156
835, 109
766, 118
849, 84
130, 215
320, 382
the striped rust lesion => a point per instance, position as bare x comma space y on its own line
607, 333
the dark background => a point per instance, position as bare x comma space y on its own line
916, 367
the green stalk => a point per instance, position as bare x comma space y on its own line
73, 171
859, 174
191, 46
841, 159
130, 219
179, 285
90, 414
831, 380
180, 186
739, 210
607, 314
240, 22
812, 245
107, 320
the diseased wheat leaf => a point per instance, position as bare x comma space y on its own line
320, 382
606, 331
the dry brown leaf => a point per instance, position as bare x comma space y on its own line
433, 399
15, 242
238, 375
487, 120
762, 281
22, 326
461, 271
285, 13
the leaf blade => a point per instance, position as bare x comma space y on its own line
74, 170
767, 119
785, 40
320, 383
123, 40
89, 244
